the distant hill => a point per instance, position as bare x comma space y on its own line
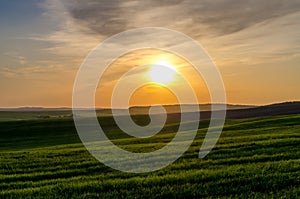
136, 109
286, 108
187, 107
32, 109
233, 111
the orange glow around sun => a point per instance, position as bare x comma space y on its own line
160, 69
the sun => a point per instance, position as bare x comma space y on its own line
162, 72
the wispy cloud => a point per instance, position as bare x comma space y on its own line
221, 17
229, 29
265, 42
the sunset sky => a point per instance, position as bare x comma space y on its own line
254, 43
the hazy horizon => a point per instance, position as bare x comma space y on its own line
146, 106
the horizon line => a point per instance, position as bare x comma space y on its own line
145, 106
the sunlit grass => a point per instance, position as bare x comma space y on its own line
254, 158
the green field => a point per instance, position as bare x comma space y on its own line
254, 158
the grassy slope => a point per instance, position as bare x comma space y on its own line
258, 157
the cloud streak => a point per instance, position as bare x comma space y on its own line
220, 17
226, 28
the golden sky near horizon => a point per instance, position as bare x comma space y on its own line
254, 44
